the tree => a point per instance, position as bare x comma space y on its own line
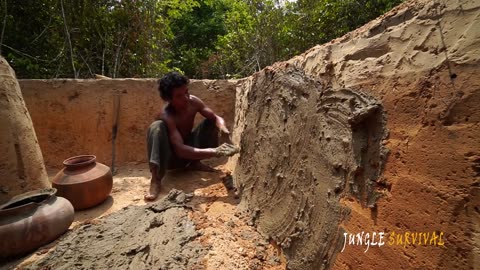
145, 38
195, 35
78, 38
260, 33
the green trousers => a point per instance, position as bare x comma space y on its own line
159, 148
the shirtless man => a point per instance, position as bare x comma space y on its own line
171, 142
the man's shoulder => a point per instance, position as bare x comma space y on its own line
195, 99
169, 120
197, 102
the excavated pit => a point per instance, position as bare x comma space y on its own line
303, 148
316, 133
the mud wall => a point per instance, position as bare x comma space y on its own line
376, 131
74, 117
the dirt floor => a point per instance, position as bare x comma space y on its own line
224, 233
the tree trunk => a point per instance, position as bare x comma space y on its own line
21, 162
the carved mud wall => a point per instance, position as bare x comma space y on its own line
376, 131
21, 162
304, 146
74, 117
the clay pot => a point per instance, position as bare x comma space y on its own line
31, 220
83, 181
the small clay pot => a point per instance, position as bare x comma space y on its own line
31, 220
83, 181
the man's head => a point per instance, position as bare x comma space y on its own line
173, 87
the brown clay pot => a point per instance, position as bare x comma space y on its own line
83, 181
31, 220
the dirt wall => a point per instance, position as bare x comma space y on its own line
74, 117
308, 180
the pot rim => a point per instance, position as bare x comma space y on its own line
46, 191
79, 161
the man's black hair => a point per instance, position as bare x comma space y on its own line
170, 81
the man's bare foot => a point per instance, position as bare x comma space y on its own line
154, 190
199, 166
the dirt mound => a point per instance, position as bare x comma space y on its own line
315, 146
21, 163
157, 236
206, 232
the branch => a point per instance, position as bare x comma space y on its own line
43, 31
59, 62
103, 59
117, 56
86, 63
69, 41
248, 65
33, 57
3, 28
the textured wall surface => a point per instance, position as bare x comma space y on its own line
74, 117
410, 164
21, 162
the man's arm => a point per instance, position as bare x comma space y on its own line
209, 114
185, 151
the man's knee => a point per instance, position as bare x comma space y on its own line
209, 123
157, 126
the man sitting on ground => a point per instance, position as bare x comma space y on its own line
171, 142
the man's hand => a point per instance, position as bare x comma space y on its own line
221, 125
226, 150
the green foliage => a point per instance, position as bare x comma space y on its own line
145, 38
78, 38
195, 35
263, 32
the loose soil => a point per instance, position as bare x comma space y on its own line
194, 224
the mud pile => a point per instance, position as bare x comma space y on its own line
21, 163
156, 236
310, 145
372, 132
